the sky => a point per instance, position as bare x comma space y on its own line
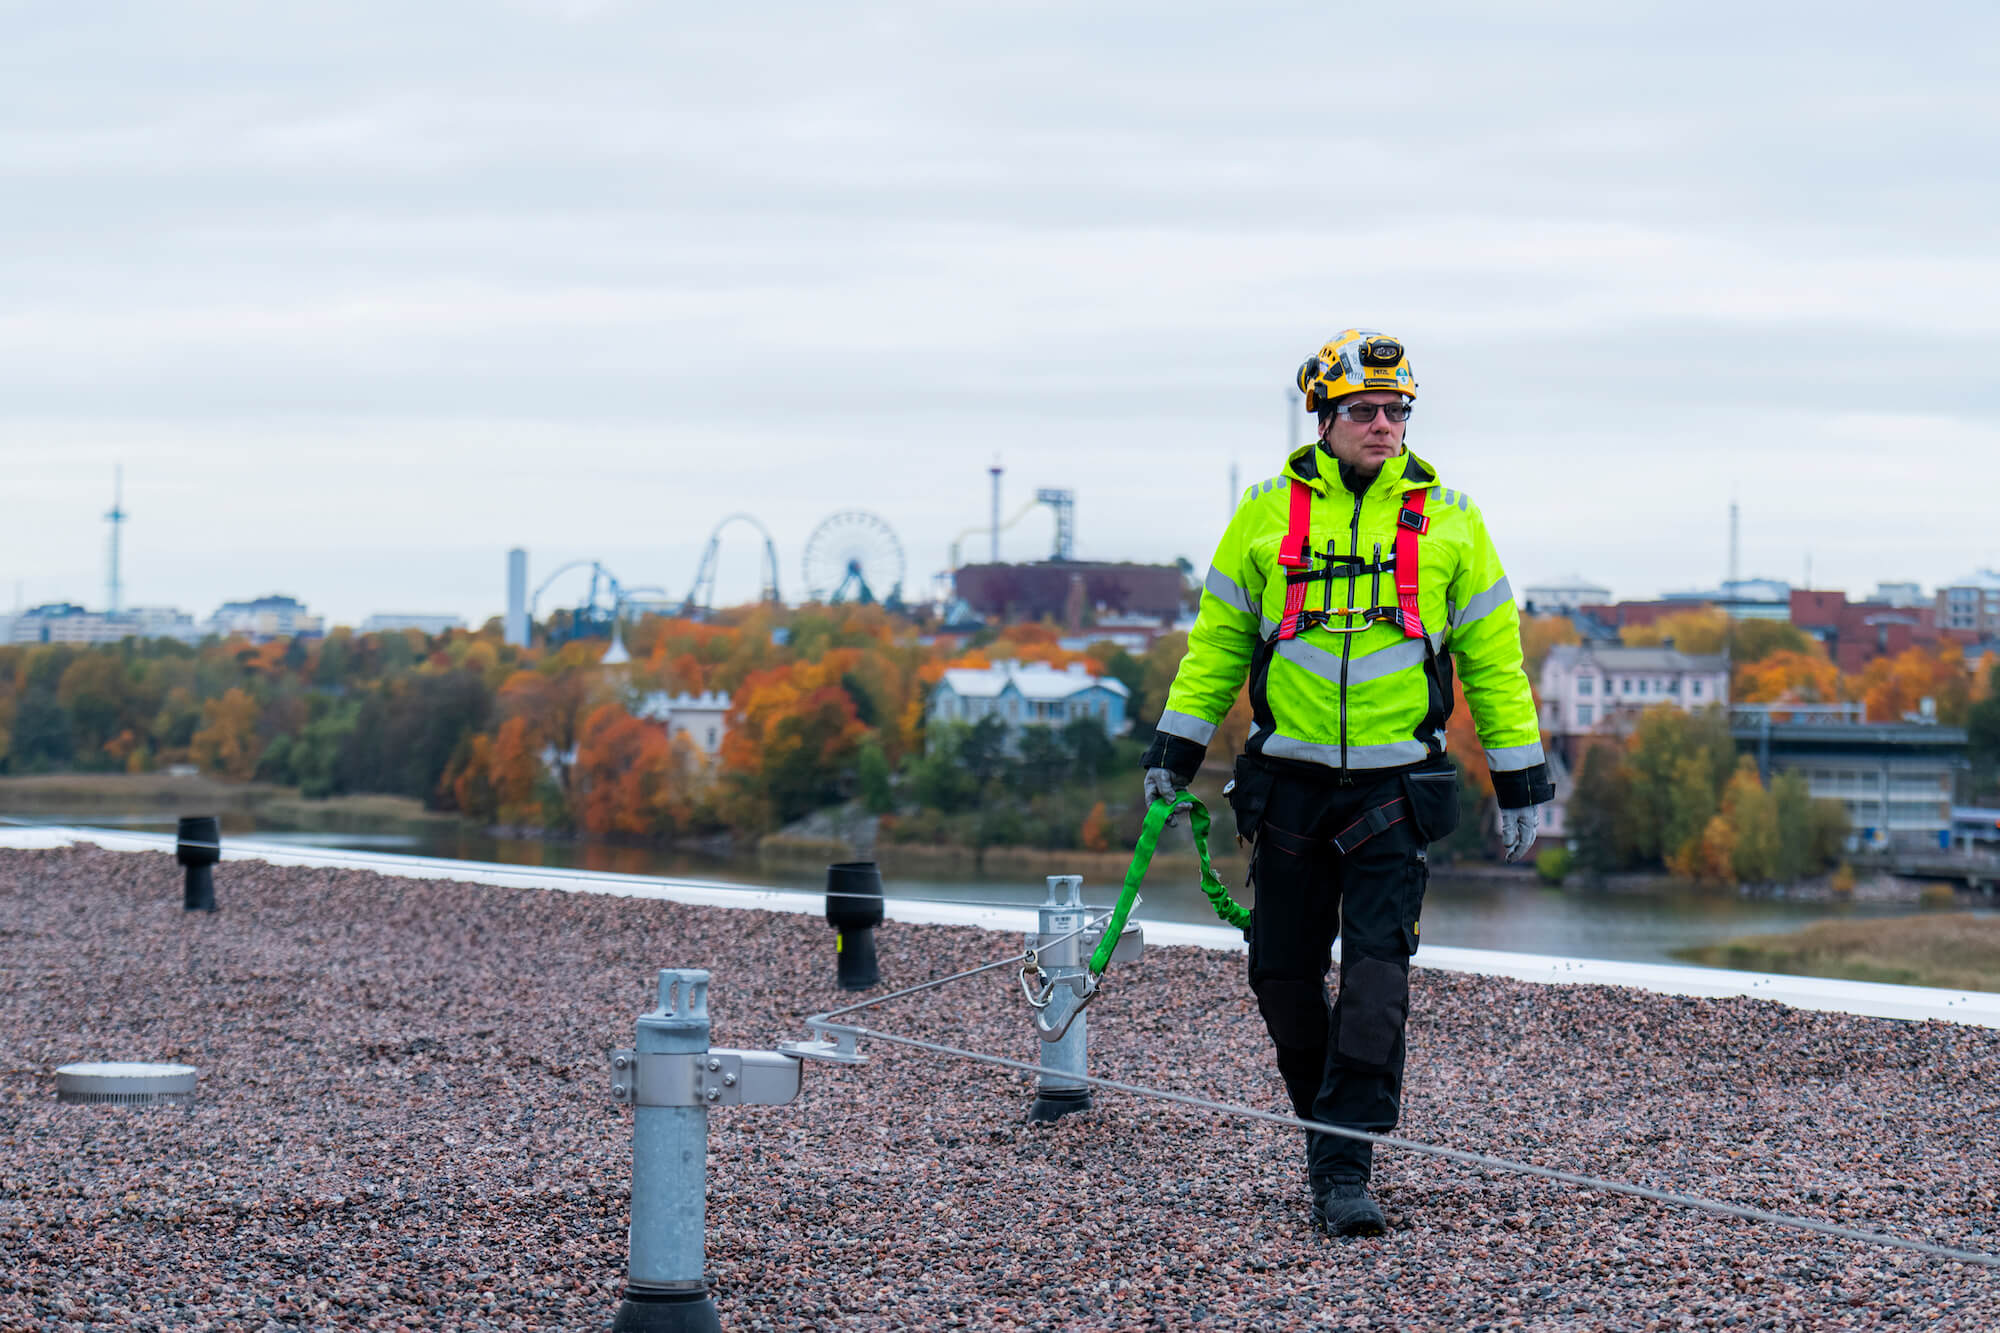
362, 295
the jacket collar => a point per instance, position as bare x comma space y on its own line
1404, 472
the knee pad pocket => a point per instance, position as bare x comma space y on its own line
1374, 1002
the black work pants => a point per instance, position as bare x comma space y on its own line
1341, 1059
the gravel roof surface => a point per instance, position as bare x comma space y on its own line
404, 1122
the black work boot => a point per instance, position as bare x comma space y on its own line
1344, 1209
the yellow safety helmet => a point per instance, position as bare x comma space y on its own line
1356, 361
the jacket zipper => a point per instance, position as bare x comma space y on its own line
1347, 640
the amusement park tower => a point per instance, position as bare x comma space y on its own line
996, 470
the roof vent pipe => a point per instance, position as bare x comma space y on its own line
198, 848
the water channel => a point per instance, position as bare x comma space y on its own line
1481, 911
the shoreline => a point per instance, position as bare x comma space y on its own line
282, 808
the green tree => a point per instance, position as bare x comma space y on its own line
1792, 806
1664, 741
1831, 827
1044, 762
42, 737
983, 749
1600, 811
871, 775
1982, 728
1753, 819
92, 692
1690, 804
940, 779
1089, 748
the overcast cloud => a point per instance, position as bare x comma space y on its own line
363, 294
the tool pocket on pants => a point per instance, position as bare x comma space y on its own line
1410, 911
1433, 797
1248, 792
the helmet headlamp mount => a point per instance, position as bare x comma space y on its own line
1381, 352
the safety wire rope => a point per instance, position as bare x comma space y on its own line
1155, 820
1482, 1160
824, 1024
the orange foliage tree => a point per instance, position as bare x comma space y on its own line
628, 776
793, 734
1894, 686
1789, 677
226, 744
1095, 834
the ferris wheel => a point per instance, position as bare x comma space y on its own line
853, 556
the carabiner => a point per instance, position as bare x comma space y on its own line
1092, 984
1036, 1001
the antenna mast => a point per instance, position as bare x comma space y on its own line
116, 518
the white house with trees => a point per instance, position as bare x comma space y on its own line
1031, 695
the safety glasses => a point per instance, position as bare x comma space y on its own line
1365, 412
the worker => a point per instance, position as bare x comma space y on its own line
1342, 592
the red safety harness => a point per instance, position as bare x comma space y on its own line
1295, 556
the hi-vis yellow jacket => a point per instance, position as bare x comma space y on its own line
1369, 703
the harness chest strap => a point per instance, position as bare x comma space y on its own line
1295, 553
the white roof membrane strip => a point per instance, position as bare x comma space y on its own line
1865, 998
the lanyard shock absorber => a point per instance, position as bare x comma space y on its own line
1212, 887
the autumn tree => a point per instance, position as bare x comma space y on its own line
792, 739
1755, 852
1541, 633
627, 779
1755, 640
1699, 630
1689, 804
1893, 687
1669, 813
1095, 833
226, 744
1788, 677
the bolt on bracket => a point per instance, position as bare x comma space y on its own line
1131, 943
705, 1078
835, 1047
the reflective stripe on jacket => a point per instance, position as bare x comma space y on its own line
1371, 700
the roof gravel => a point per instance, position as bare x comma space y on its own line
404, 1121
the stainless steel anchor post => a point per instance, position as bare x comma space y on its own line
670, 1078
1069, 976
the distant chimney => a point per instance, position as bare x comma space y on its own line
516, 625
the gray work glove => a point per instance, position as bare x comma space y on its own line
1518, 829
1161, 786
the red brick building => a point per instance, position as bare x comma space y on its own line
1856, 633
1623, 614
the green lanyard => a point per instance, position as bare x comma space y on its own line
1231, 911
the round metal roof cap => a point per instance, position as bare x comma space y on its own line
124, 1081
